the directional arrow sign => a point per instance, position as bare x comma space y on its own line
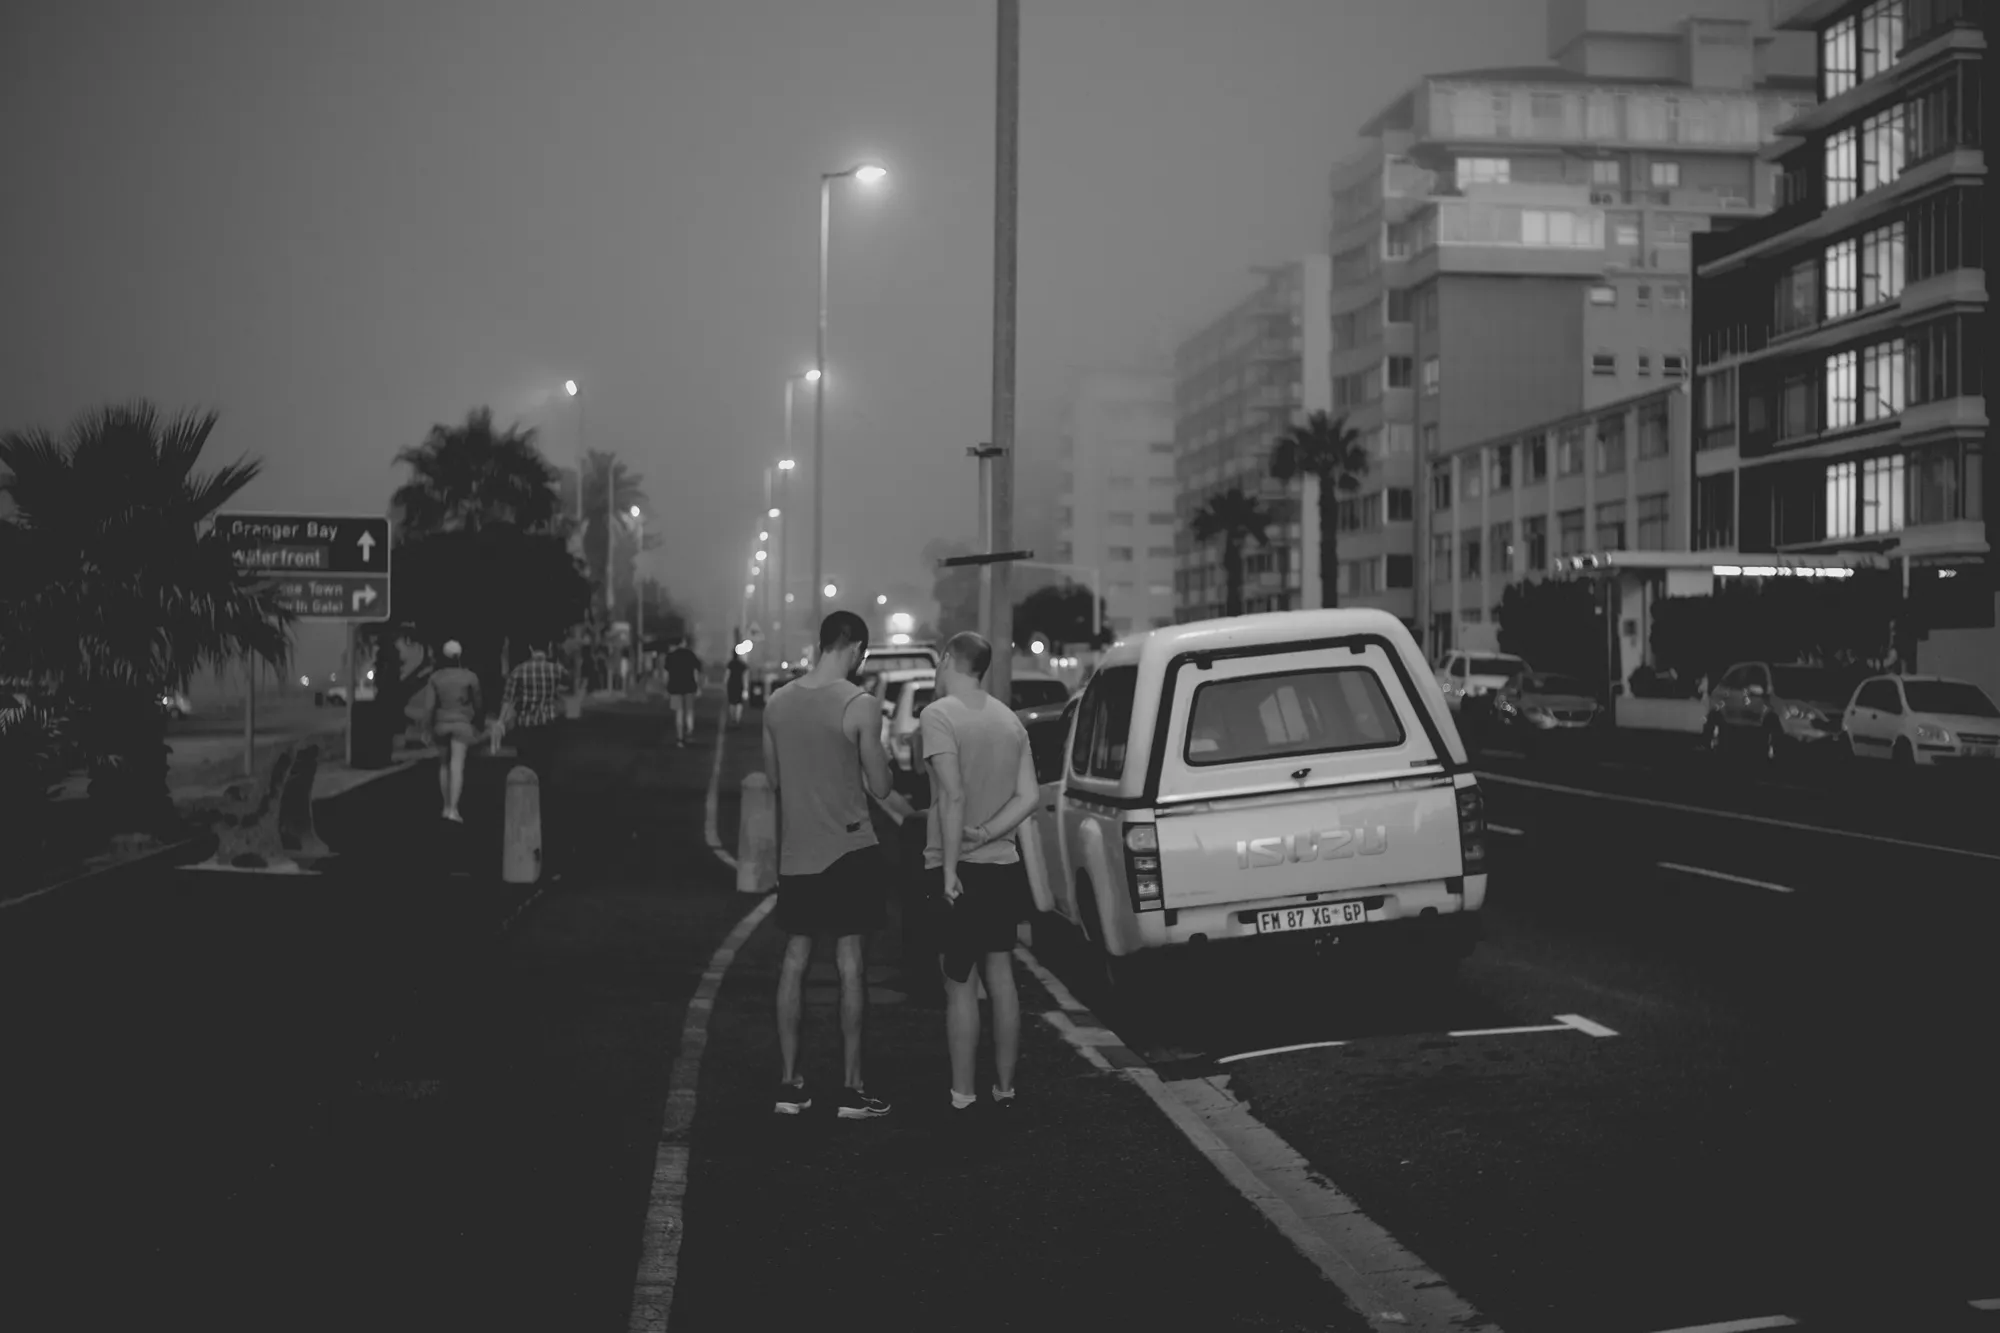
325, 566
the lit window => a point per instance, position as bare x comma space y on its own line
1603, 294
1842, 168
1674, 295
1842, 409
1882, 146
1627, 233
1882, 264
1882, 381
1881, 31
1482, 171
1840, 500
1604, 171
1837, 58
1431, 373
1666, 175
1842, 290
1882, 494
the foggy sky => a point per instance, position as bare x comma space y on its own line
340, 223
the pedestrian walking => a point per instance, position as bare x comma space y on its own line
530, 710
683, 684
982, 788
454, 723
823, 755
739, 673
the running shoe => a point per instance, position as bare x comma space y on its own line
854, 1104
793, 1099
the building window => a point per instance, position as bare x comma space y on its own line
1119, 518
1715, 512
1399, 573
1653, 430
1718, 407
1796, 305
1603, 294
1469, 477
1626, 234
1674, 364
1535, 459
1400, 372
1397, 437
1944, 482
1468, 547
1118, 555
1569, 532
1843, 290
1943, 361
1645, 363
1561, 227
1645, 296
1666, 175
1842, 167
1159, 519
1882, 265
1882, 380
1605, 171
1427, 308
1611, 526
1881, 31
1159, 552
1399, 501
1674, 295
1569, 451
1944, 115
1440, 557
1161, 447
1838, 64
1882, 495
1840, 500
1797, 409
1652, 532
1441, 487
1501, 538
1604, 363
1431, 371
1503, 467
1943, 234
1430, 439
1396, 240
1482, 171
1398, 305
1842, 385
1535, 536
1882, 148
1610, 445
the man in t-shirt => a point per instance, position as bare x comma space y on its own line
823, 753
683, 683
983, 788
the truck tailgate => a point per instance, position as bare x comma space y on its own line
1317, 840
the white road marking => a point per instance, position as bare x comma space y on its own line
714, 798
1985, 1303
1505, 1032
660, 1237
1733, 879
1740, 1325
1503, 754
1738, 815
1507, 829
1279, 1050
1389, 1286
1582, 1024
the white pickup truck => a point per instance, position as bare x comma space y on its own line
1265, 781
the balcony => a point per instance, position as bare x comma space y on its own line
1566, 113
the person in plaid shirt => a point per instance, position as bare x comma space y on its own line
530, 709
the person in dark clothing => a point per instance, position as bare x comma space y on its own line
683, 684
739, 672
453, 724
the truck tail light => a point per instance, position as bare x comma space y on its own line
1142, 867
1472, 829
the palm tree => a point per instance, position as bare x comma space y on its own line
470, 476
1236, 518
1329, 449
114, 587
626, 491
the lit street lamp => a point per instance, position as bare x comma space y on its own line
868, 173
831, 591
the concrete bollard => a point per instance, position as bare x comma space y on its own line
757, 837
521, 828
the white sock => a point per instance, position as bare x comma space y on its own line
961, 1100
1000, 1096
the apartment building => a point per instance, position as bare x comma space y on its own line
1115, 517
1513, 245
1239, 383
1841, 400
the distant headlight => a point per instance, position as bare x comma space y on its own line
1930, 735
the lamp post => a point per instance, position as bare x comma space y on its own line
868, 174
638, 591
576, 658
786, 465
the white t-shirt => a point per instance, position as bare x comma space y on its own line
989, 741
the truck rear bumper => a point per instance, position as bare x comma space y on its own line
1395, 914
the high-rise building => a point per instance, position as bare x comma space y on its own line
1115, 517
1839, 342
1238, 384
1513, 246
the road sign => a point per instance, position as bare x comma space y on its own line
317, 566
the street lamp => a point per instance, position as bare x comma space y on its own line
868, 173
638, 592
830, 591
881, 599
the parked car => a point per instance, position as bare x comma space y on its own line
884, 658
1776, 710
1463, 676
337, 694
1913, 720
1033, 689
174, 704
1258, 783
911, 692
1538, 708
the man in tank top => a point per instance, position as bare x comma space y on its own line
823, 754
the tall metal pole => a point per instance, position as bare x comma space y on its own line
1006, 198
610, 541
764, 613
576, 658
819, 408
785, 534
638, 594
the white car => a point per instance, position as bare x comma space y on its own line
896, 691
1922, 720
1463, 676
1266, 782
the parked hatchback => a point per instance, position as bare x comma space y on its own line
1922, 720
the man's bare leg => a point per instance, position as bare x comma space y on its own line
961, 1029
1006, 1022
791, 989
851, 959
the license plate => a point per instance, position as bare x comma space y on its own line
1981, 752
1317, 917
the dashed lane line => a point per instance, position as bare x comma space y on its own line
1390, 1287
1767, 820
1985, 1303
1277, 1050
1563, 1023
1740, 1325
1733, 879
660, 1238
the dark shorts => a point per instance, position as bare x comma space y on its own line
987, 916
455, 729
849, 897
